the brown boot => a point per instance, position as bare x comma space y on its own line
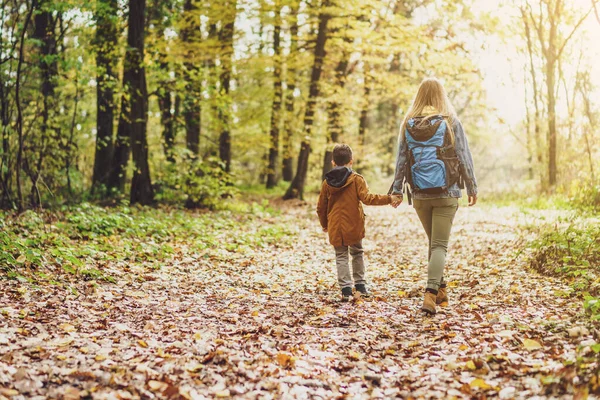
442, 296
429, 303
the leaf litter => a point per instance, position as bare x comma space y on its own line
265, 321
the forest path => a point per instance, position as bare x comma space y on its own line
267, 322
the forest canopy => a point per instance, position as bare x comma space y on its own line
188, 101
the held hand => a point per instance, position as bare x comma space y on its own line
324, 229
396, 200
472, 200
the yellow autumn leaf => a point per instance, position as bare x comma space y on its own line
463, 347
195, 368
67, 327
84, 350
197, 336
223, 393
470, 365
142, 343
255, 313
401, 293
480, 383
531, 344
353, 355
61, 357
285, 360
100, 357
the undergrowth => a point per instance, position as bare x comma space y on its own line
90, 242
570, 249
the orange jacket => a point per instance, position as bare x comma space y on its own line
340, 209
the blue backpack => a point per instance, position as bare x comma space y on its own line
432, 165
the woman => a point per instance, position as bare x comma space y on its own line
434, 162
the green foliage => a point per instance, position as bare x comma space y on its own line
585, 195
571, 250
94, 243
197, 183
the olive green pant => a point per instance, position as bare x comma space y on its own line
436, 216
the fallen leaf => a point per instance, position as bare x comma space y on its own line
530, 344
157, 386
480, 383
8, 392
67, 327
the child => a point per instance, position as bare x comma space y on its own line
341, 215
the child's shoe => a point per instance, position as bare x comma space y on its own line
429, 302
362, 289
442, 296
346, 294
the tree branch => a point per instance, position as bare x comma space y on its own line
576, 27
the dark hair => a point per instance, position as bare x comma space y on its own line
342, 154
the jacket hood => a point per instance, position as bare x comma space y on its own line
423, 128
338, 177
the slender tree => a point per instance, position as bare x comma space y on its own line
553, 46
45, 21
161, 20
334, 123
190, 34
277, 100
224, 114
105, 42
296, 189
19, 122
288, 126
134, 80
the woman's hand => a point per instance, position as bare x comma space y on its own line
472, 200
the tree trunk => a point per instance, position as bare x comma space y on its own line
19, 122
334, 113
277, 99
122, 148
226, 39
550, 85
296, 189
159, 11
191, 102
44, 27
287, 164
106, 77
537, 116
165, 103
585, 95
135, 81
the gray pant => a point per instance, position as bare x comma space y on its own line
343, 269
436, 216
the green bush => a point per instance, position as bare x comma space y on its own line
585, 195
571, 251
196, 183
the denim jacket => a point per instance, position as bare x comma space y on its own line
464, 155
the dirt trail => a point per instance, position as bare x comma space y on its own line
267, 322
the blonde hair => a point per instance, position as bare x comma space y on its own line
431, 99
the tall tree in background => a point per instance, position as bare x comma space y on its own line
190, 35
287, 170
45, 22
105, 41
334, 112
224, 99
134, 80
160, 19
548, 25
296, 189
277, 100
